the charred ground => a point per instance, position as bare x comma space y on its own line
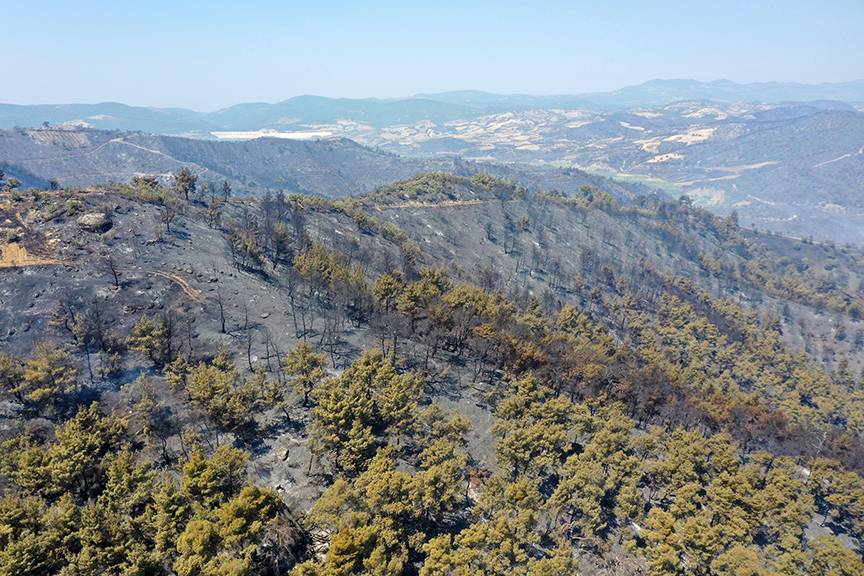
658, 312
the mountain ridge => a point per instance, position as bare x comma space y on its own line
459, 104
328, 167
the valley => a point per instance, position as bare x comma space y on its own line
786, 158
758, 160
331, 168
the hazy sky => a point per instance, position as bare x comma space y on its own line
208, 54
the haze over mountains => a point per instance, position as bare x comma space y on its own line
794, 168
439, 107
787, 157
456, 334
432, 289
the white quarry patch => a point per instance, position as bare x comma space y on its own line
253, 134
576, 113
631, 126
76, 124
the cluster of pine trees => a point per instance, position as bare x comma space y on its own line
653, 436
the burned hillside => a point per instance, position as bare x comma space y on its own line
437, 370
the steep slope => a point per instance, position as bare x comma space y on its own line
616, 262
584, 383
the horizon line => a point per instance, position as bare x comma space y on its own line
427, 95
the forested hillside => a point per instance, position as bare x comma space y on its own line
449, 375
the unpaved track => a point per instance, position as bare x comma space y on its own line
193, 293
442, 204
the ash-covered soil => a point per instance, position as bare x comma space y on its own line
186, 273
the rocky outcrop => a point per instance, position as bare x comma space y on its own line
95, 222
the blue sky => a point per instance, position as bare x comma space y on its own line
209, 54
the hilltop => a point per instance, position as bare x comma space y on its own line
794, 169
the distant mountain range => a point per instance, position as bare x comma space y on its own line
302, 111
788, 157
661, 92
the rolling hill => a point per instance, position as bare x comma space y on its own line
331, 167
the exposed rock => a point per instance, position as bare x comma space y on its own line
95, 222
